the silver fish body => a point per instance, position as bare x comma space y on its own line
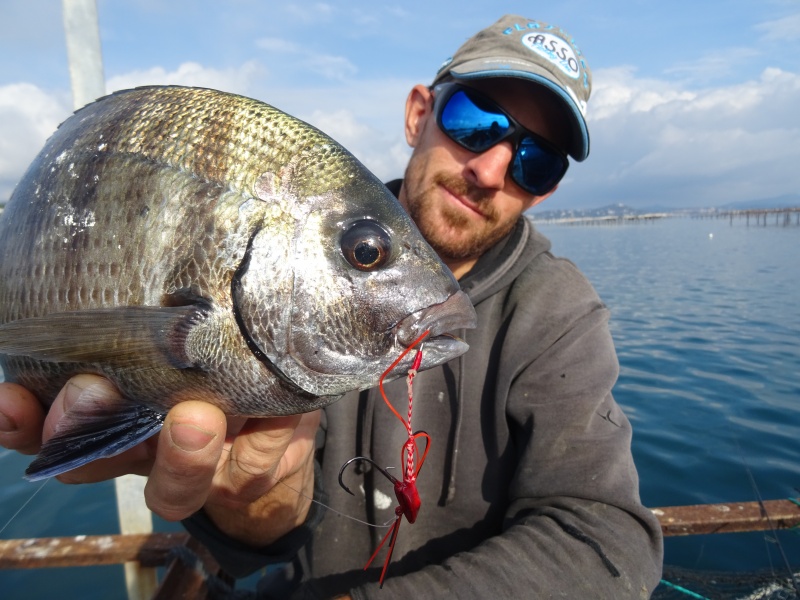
192, 244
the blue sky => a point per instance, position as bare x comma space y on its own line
695, 103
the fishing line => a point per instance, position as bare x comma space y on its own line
774, 531
333, 510
318, 502
21, 508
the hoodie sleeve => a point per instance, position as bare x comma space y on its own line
574, 526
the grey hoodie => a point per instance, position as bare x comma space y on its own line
529, 489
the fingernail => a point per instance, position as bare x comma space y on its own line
85, 391
7, 425
190, 438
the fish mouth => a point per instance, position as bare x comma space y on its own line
440, 346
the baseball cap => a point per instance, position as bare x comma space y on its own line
545, 54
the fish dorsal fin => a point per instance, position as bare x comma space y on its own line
123, 336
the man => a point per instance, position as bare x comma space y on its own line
529, 489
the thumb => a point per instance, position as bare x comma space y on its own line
80, 389
189, 448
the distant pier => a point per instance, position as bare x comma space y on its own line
604, 220
761, 217
782, 217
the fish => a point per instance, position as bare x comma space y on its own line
188, 243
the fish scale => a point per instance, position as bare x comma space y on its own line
189, 244
219, 138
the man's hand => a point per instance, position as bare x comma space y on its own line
21, 419
201, 459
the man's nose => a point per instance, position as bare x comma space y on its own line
489, 168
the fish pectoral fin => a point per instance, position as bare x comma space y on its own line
122, 336
93, 430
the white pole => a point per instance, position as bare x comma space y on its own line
135, 517
88, 83
83, 51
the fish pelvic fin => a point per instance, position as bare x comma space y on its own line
125, 336
93, 430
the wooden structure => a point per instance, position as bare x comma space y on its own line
732, 517
605, 220
149, 550
759, 217
191, 581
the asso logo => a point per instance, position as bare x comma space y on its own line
554, 49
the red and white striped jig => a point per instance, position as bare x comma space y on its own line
406, 489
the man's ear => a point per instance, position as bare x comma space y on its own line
419, 106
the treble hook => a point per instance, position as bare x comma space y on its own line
385, 473
405, 490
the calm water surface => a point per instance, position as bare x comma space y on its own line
707, 325
706, 320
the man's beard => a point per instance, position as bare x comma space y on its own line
472, 240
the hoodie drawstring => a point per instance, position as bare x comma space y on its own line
458, 412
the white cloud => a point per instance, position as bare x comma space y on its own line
784, 29
662, 143
340, 124
365, 117
330, 67
28, 116
715, 65
237, 80
383, 153
311, 14
298, 59
278, 45
617, 91
653, 141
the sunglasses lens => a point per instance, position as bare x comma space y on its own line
477, 123
536, 168
474, 127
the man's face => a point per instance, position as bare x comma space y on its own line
463, 202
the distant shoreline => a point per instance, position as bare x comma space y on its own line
617, 215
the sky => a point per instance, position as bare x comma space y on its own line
695, 103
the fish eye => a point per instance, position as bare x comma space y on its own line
366, 245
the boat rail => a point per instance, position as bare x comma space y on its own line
185, 580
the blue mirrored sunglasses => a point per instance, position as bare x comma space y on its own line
477, 123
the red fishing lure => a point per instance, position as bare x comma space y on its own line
406, 489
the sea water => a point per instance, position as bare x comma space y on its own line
706, 321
